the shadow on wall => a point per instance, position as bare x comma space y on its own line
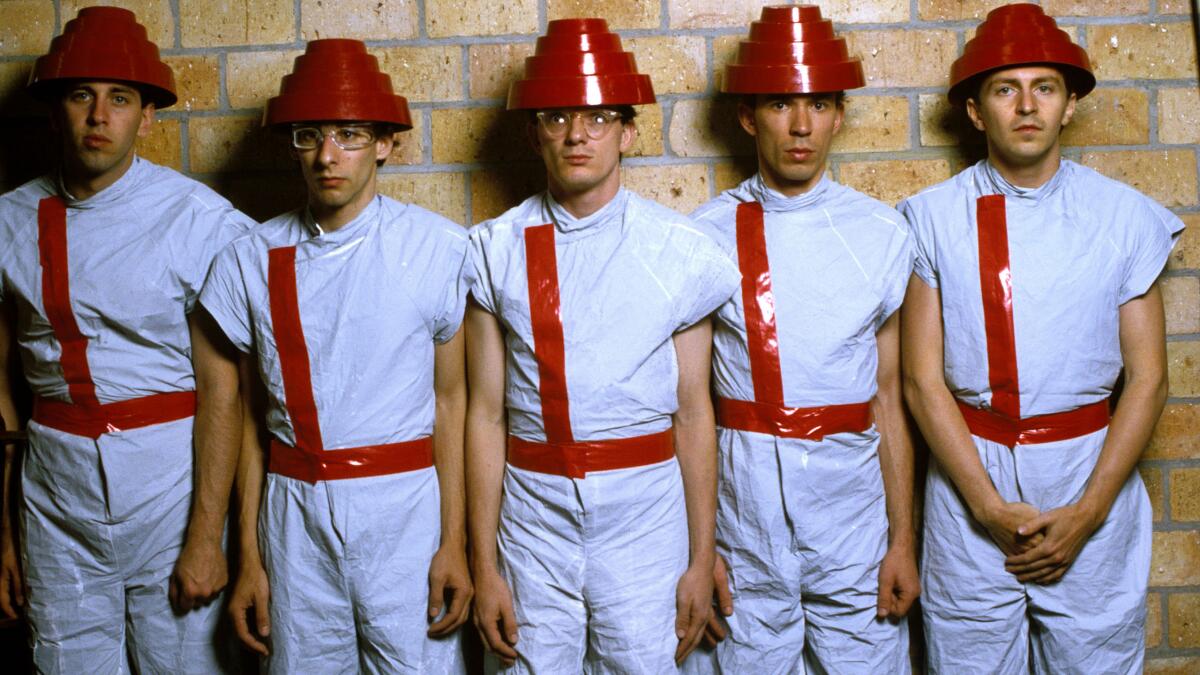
249, 165
721, 135
30, 148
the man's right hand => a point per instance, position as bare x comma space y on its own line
494, 616
1001, 523
717, 629
12, 587
252, 591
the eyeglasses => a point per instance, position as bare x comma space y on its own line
346, 138
595, 122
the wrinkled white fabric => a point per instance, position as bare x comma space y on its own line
801, 523
1080, 246
593, 562
348, 560
103, 521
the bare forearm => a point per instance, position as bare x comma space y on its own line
251, 467
896, 465
696, 448
218, 434
484, 481
448, 457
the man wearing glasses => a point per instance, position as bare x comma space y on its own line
350, 307
591, 450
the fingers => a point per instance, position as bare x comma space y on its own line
179, 600
437, 586
715, 631
494, 637
690, 621
883, 599
7, 606
721, 588
456, 614
262, 613
238, 611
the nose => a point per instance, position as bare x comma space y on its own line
327, 151
576, 130
98, 113
801, 120
1027, 101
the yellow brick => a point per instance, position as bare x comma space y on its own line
1095, 7
892, 180
675, 64
729, 174
1174, 6
708, 128
1167, 176
424, 73
724, 50
1152, 477
1179, 665
1177, 435
439, 192
1153, 620
1183, 367
445, 18
1110, 117
1181, 300
361, 19
1183, 620
479, 135
1135, 51
1179, 115
253, 77
225, 144
873, 124
16, 101
220, 23
1186, 254
955, 10
162, 145
619, 13
494, 191
943, 124
410, 145
649, 141
26, 26
905, 57
1185, 496
713, 13
856, 11
261, 195
494, 67
197, 82
1176, 559
682, 187
155, 15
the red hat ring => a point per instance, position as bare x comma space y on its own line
792, 50
336, 79
104, 43
578, 62
1015, 35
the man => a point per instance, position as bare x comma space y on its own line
1034, 289
350, 308
588, 351
814, 519
100, 264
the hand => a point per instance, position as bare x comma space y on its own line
251, 591
1002, 523
448, 576
12, 587
716, 630
1066, 530
494, 616
899, 584
693, 606
200, 574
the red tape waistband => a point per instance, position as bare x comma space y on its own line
577, 459
93, 421
807, 423
361, 462
1037, 429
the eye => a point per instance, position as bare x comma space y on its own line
120, 99
820, 105
778, 104
307, 136
79, 96
557, 117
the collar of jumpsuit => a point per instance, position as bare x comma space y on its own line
345, 233
997, 184
574, 227
775, 201
110, 195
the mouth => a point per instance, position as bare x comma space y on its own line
95, 141
1028, 128
799, 154
330, 181
577, 160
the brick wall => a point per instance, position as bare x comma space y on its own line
467, 159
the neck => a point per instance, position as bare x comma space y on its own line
1026, 174
789, 188
82, 185
584, 204
334, 218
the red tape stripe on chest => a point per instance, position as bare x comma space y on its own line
56, 299
758, 305
293, 353
541, 266
995, 281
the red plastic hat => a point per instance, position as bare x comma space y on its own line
1015, 35
578, 62
336, 79
104, 43
792, 50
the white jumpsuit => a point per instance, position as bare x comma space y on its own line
348, 557
801, 521
101, 319
1074, 250
593, 560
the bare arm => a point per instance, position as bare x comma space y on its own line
251, 590
486, 431
12, 591
696, 449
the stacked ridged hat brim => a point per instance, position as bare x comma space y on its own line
1016, 35
337, 80
578, 62
108, 44
792, 50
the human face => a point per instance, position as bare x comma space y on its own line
793, 133
1022, 110
579, 167
99, 123
340, 182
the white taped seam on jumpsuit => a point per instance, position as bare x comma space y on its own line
1080, 246
593, 562
802, 523
348, 559
101, 530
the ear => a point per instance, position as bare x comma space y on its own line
745, 115
628, 135
383, 146
147, 120
973, 113
531, 134
1069, 111
839, 116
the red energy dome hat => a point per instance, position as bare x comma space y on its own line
336, 79
792, 50
1015, 35
578, 62
104, 43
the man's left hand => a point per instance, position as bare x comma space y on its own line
899, 583
693, 606
200, 574
1066, 530
448, 576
